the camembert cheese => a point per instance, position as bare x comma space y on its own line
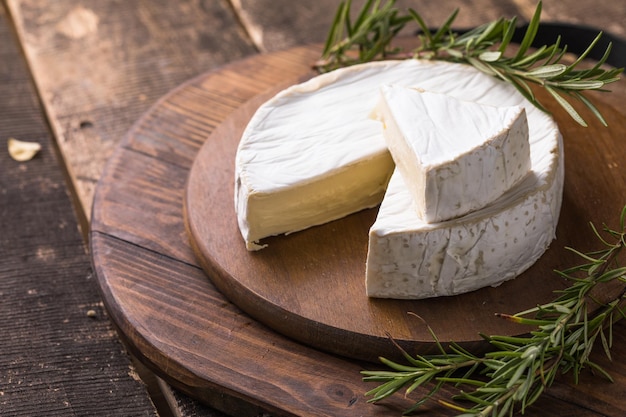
455, 156
312, 154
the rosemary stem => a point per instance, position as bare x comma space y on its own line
520, 368
371, 36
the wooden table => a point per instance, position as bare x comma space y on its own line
97, 66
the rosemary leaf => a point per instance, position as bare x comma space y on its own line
566, 106
548, 71
490, 56
531, 32
591, 107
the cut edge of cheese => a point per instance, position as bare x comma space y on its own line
455, 156
316, 202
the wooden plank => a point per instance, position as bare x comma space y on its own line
608, 16
185, 115
59, 354
274, 26
100, 64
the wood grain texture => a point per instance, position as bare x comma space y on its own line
238, 365
187, 332
268, 378
59, 353
608, 16
99, 65
272, 26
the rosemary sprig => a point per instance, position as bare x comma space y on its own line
370, 38
516, 372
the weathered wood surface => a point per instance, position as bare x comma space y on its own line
183, 327
59, 353
273, 27
98, 65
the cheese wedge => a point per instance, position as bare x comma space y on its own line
410, 259
455, 156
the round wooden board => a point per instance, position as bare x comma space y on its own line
310, 285
176, 322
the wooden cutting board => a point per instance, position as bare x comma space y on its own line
177, 308
310, 285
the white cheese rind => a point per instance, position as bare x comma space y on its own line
411, 259
455, 156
